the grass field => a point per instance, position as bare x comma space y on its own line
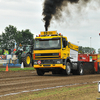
18, 69
84, 92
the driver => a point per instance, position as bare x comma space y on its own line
20, 47
55, 43
44, 44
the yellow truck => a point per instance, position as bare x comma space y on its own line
52, 52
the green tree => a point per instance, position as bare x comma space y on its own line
11, 35
99, 51
86, 50
26, 36
0, 41
80, 49
8, 37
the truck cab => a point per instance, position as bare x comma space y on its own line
52, 52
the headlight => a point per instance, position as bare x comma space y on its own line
58, 62
35, 62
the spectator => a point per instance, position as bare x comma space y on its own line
6, 52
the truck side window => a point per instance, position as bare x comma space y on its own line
63, 42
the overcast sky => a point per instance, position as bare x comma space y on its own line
81, 28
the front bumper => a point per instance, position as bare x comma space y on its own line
50, 66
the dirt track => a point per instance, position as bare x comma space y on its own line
12, 82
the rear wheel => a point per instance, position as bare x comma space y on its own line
68, 68
80, 70
26, 60
40, 72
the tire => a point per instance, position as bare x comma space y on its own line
26, 60
40, 72
68, 68
80, 70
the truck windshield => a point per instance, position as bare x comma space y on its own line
46, 44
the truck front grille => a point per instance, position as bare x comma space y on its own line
46, 55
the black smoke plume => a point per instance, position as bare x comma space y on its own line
53, 7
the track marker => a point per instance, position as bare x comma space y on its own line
6, 67
22, 65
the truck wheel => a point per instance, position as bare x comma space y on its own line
80, 70
26, 60
68, 68
40, 72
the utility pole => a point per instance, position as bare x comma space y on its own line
90, 44
78, 43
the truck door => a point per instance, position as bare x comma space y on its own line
64, 48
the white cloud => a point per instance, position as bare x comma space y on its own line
21, 13
27, 14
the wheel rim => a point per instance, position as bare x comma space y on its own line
28, 60
81, 70
68, 69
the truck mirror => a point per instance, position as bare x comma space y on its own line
66, 43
